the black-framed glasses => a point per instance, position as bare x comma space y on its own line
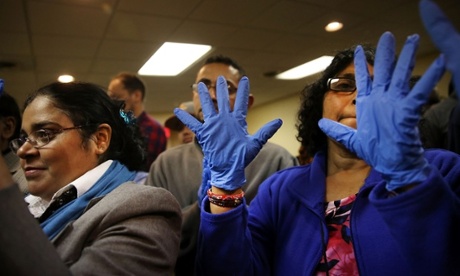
39, 138
341, 84
231, 89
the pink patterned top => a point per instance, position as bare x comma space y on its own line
340, 258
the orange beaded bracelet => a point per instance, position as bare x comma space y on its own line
225, 200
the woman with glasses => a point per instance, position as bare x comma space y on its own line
80, 153
372, 202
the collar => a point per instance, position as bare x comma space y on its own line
38, 205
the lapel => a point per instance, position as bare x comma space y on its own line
69, 227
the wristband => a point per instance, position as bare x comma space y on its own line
225, 200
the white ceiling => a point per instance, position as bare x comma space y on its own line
95, 39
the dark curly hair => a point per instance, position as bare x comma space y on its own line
89, 105
311, 109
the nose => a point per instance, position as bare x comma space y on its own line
212, 92
25, 150
354, 102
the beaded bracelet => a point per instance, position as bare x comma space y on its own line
225, 200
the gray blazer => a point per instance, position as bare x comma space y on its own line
134, 230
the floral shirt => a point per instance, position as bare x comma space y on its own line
339, 252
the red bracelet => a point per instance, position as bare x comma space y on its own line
225, 200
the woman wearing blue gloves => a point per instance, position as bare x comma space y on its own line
373, 202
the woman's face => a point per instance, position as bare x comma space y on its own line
341, 106
62, 160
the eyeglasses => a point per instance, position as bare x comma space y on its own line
39, 138
231, 89
341, 84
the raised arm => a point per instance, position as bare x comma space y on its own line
223, 136
387, 137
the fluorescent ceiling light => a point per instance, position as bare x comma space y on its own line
173, 58
310, 68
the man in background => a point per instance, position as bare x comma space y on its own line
129, 88
183, 133
434, 123
179, 169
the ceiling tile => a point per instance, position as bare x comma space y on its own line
170, 8
15, 44
63, 65
236, 12
12, 17
62, 19
132, 26
203, 33
65, 46
127, 50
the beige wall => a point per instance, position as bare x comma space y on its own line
286, 109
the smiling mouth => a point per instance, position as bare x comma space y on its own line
32, 172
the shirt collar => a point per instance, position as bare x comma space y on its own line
38, 205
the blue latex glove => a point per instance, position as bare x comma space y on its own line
205, 181
1, 87
444, 36
226, 144
387, 114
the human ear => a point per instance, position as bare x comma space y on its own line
102, 138
137, 95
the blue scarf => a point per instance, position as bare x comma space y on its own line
115, 175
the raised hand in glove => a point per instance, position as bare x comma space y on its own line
205, 181
444, 36
226, 144
387, 113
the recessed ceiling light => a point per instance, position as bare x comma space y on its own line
66, 78
310, 68
333, 26
173, 58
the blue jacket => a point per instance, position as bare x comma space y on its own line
284, 233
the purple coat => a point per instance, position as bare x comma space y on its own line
283, 232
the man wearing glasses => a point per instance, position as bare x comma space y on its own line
179, 169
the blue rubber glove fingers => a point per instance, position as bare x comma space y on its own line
429, 79
387, 114
341, 133
1, 87
444, 36
261, 137
383, 66
395, 136
223, 137
399, 86
188, 120
242, 101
